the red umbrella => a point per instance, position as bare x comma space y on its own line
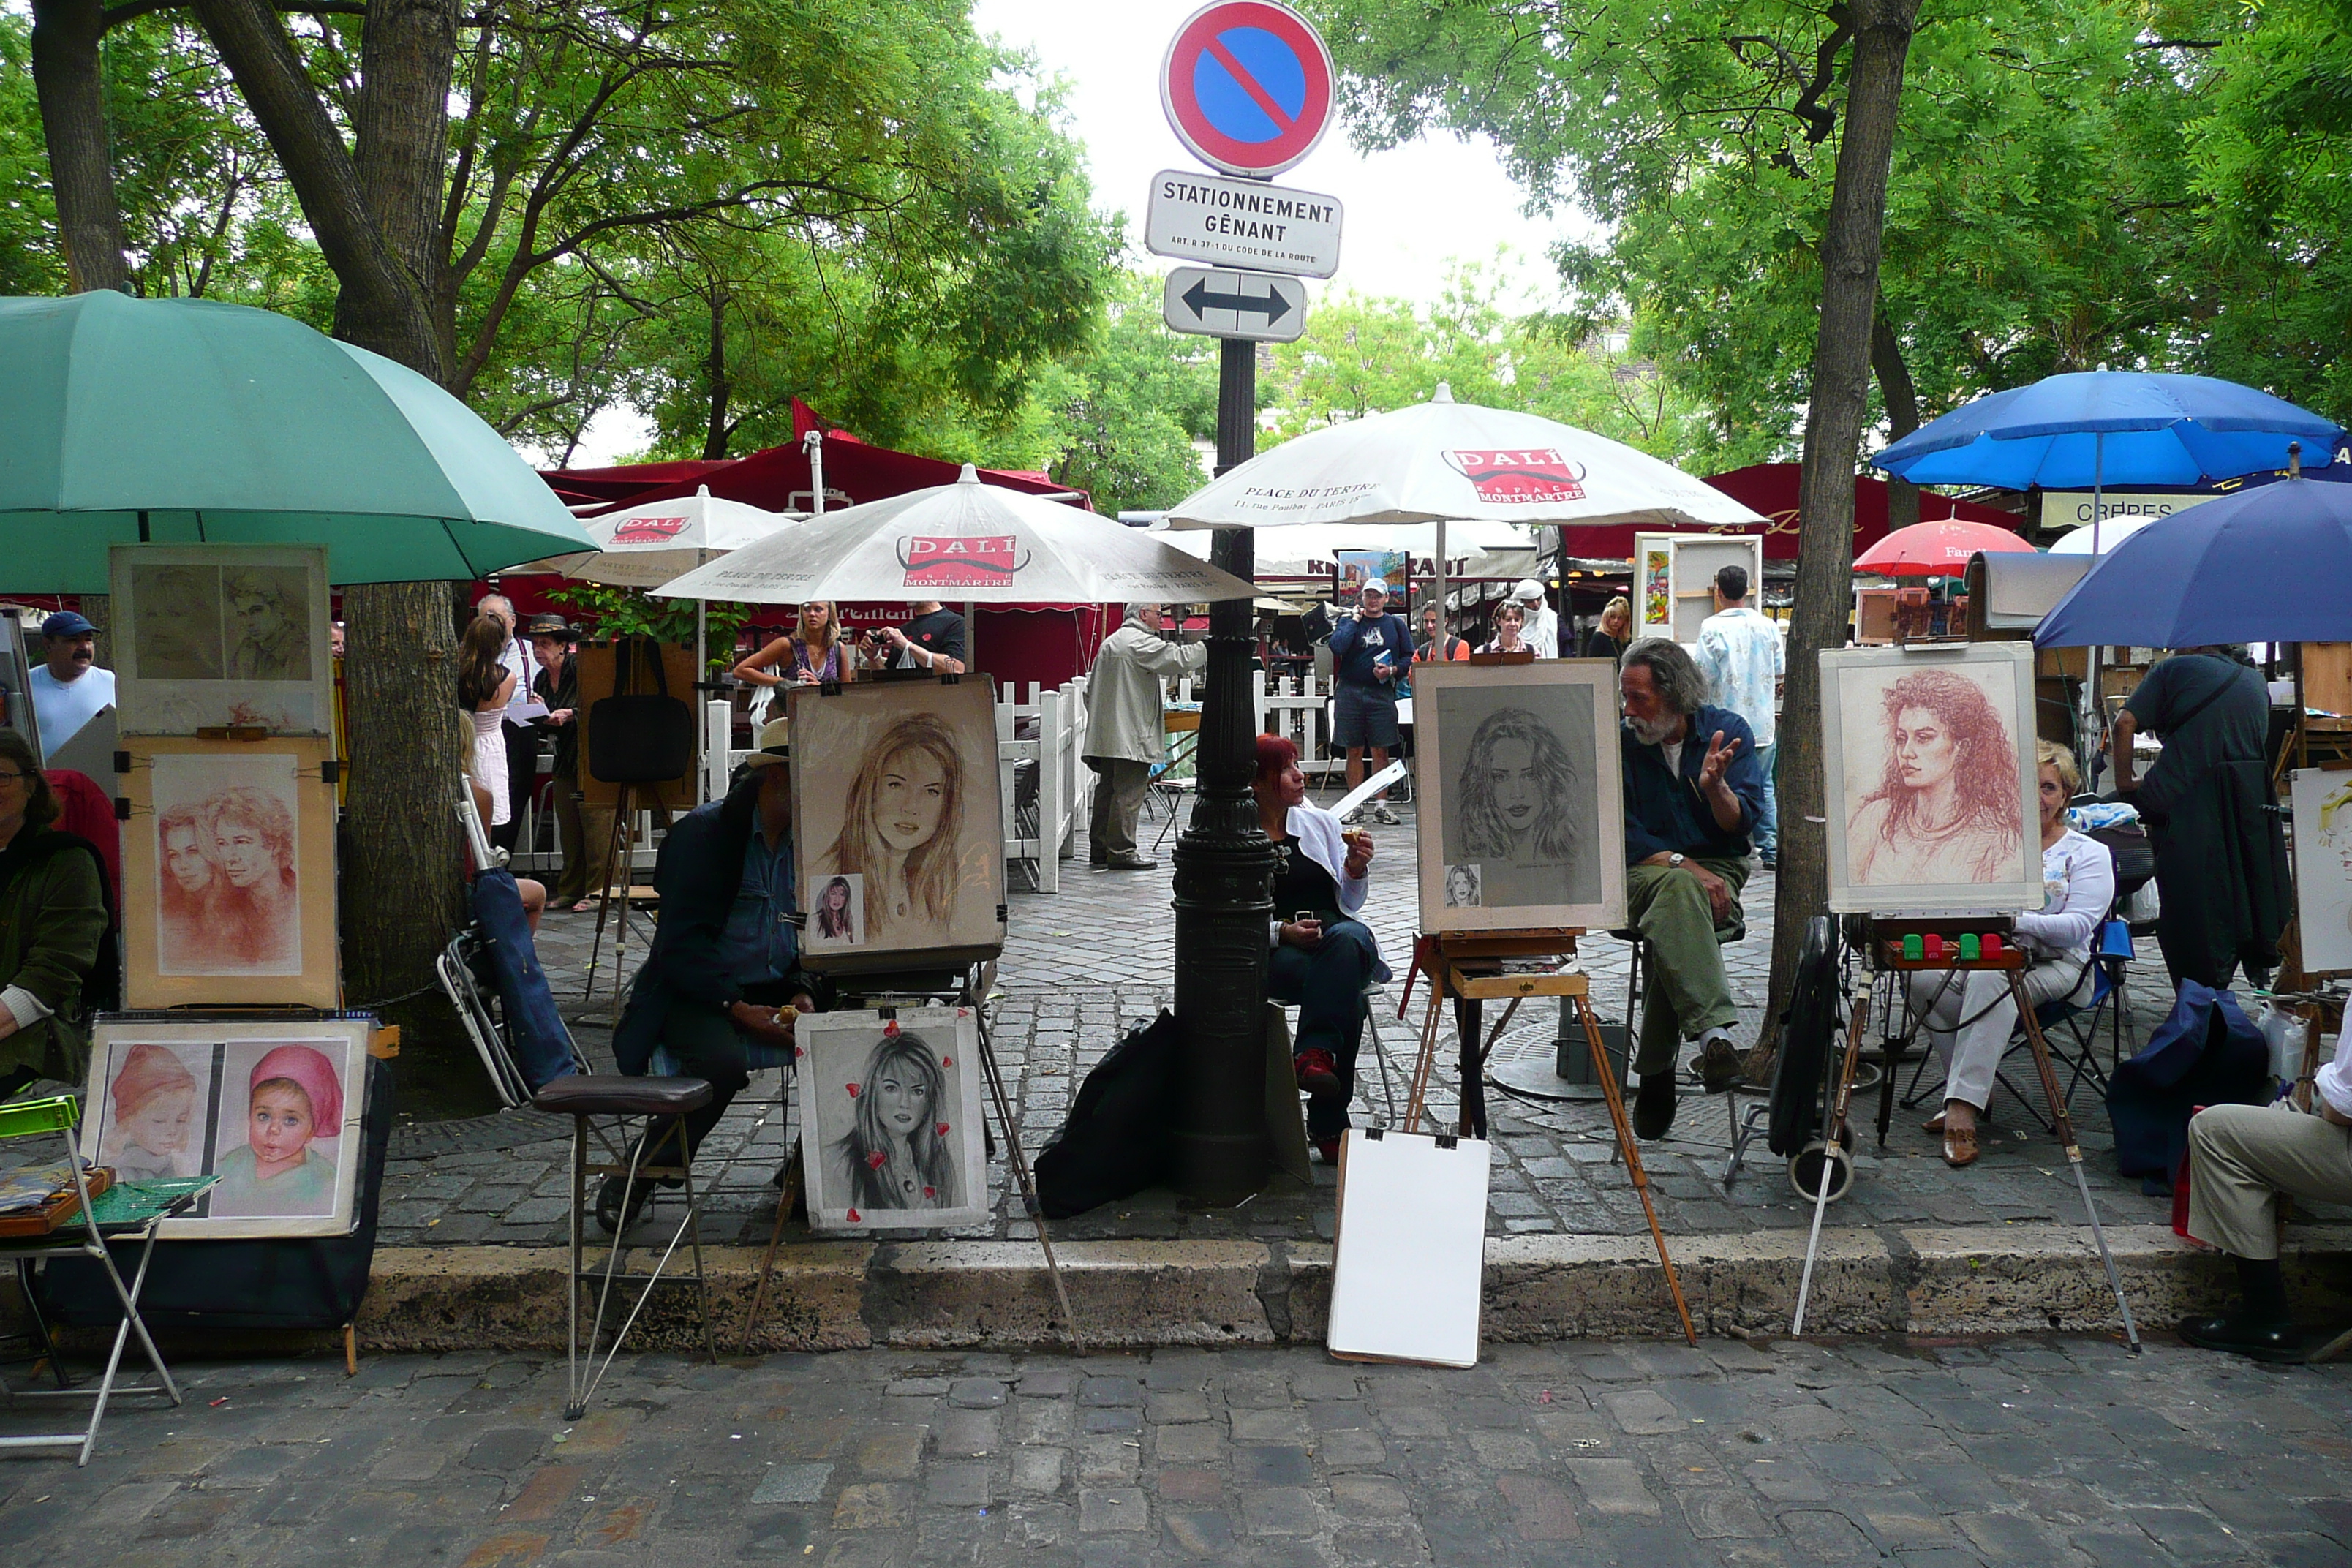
1935, 549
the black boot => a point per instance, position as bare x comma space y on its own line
1653, 1106
2261, 1326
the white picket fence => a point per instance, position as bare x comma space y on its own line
1037, 837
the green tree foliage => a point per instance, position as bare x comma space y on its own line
1124, 414
2074, 187
1361, 356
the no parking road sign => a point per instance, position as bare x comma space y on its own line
1247, 85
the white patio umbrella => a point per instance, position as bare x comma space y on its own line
647, 545
969, 541
1442, 461
2087, 540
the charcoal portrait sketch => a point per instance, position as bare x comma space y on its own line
223, 635
1519, 820
890, 1112
1931, 768
900, 838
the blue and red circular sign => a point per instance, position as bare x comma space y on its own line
1247, 85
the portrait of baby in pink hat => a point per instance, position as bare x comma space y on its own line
293, 1100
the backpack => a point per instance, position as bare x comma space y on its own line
1118, 1139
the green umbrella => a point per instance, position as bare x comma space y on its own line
187, 421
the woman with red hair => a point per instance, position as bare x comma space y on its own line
1323, 956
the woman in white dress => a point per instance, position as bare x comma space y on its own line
483, 686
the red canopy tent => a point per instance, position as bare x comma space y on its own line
1771, 489
1019, 644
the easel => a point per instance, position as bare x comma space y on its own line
971, 992
620, 860
1886, 954
1467, 966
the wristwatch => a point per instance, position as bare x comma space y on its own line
1674, 860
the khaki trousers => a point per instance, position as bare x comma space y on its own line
2241, 1157
1119, 786
1688, 992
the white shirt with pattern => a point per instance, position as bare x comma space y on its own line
1741, 653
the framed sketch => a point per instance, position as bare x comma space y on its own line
228, 874
1930, 774
271, 1107
890, 1129
1522, 822
895, 797
212, 635
2323, 869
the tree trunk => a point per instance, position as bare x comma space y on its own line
1839, 398
375, 212
73, 122
722, 384
377, 304
1901, 400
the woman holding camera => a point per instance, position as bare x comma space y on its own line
1323, 955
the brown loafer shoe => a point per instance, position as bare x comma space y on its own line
1960, 1146
1933, 1125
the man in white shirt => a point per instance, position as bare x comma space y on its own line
1741, 653
1542, 631
2241, 1158
67, 688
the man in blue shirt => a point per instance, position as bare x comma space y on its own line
723, 984
1369, 650
1692, 794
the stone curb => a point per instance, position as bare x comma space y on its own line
847, 1295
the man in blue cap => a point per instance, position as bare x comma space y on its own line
1369, 650
69, 689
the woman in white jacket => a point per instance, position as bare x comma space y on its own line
1970, 1014
1323, 955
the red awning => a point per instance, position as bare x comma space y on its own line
777, 478
1771, 489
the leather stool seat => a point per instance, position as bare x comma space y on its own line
615, 1094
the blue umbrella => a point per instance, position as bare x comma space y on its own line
2273, 565
2100, 428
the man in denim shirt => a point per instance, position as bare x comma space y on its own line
1692, 794
721, 987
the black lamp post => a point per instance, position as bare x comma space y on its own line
1224, 870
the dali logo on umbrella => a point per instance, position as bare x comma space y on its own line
1524, 474
649, 529
960, 561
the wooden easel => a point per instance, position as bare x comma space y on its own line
1886, 950
1467, 967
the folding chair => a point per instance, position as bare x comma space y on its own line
132, 1210
2071, 1030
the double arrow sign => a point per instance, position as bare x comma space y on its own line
1261, 307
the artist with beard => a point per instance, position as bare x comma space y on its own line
1692, 794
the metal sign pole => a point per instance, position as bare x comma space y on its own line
1223, 869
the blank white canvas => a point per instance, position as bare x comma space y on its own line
1411, 1254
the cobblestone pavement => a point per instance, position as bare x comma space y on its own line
2050, 1453
1083, 963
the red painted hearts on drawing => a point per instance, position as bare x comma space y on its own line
928, 1192
947, 1061
874, 1161
853, 1092
853, 1216
942, 1129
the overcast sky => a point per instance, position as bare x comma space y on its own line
1408, 212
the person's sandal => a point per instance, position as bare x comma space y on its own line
1960, 1146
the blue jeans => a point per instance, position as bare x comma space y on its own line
1768, 823
1327, 983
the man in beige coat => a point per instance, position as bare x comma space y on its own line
1124, 735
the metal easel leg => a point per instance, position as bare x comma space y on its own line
2074, 1148
1608, 1076
1857, 1024
1018, 1164
604, 898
